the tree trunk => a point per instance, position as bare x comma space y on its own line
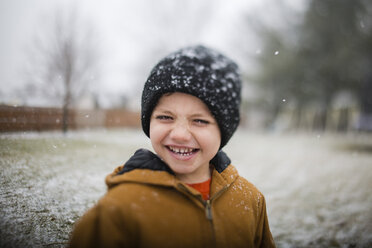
65, 115
320, 119
66, 104
365, 119
297, 117
274, 113
343, 120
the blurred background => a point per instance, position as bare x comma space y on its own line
71, 77
79, 64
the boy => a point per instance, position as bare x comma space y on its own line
187, 194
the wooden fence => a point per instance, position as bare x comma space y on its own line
13, 119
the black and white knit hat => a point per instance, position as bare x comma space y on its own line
201, 72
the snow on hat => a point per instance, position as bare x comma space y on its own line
201, 72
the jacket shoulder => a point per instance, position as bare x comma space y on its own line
248, 193
243, 182
237, 182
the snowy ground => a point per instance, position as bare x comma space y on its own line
317, 187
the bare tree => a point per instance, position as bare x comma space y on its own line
64, 60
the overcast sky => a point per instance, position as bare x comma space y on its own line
129, 32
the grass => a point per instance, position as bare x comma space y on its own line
317, 187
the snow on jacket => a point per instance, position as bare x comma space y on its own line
147, 206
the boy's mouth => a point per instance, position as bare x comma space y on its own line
183, 151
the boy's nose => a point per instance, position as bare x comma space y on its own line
180, 132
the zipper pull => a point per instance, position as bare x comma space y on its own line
208, 210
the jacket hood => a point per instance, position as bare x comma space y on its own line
146, 167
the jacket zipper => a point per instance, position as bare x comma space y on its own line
208, 209
208, 203
208, 212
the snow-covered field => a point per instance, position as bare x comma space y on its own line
317, 187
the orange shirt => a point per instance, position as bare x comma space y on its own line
203, 188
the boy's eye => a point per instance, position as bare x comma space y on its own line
201, 121
164, 117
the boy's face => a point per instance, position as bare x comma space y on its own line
185, 135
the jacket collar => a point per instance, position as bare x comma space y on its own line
145, 159
146, 167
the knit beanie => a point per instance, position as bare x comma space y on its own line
201, 72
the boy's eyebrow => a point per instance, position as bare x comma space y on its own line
195, 115
164, 111
204, 115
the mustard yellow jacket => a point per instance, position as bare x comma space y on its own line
146, 206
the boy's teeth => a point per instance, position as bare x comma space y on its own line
181, 150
